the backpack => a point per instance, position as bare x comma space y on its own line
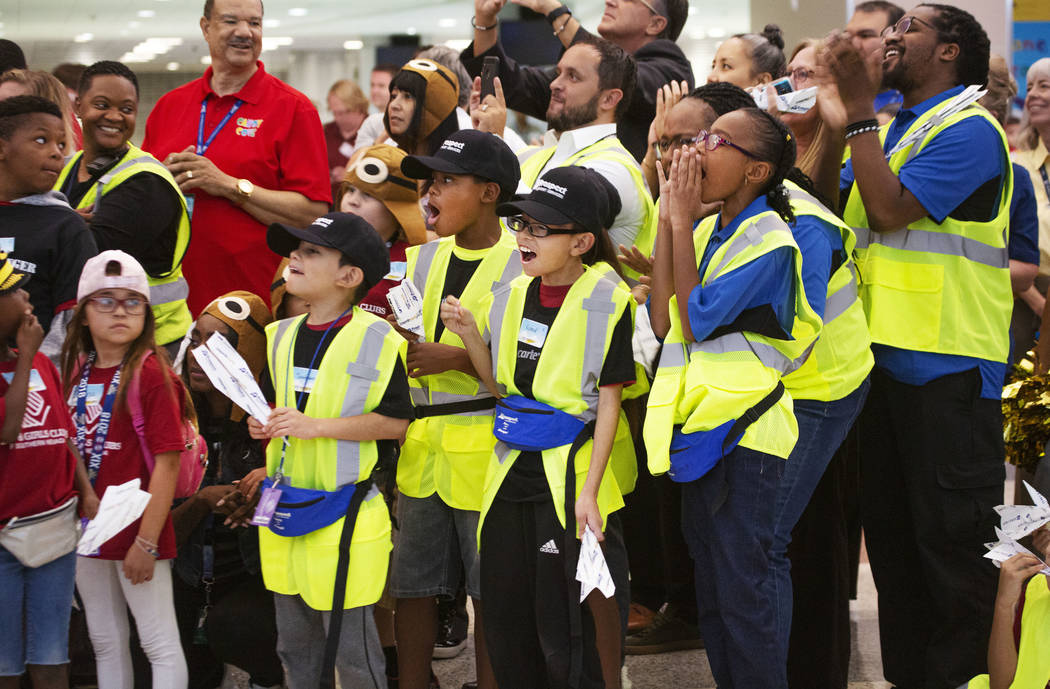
193, 459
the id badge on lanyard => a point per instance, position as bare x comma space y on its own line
98, 450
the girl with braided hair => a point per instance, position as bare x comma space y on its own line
719, 419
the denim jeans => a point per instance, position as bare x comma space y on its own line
822, 426
727, 521
34, 612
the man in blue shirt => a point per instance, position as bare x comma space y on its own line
931, 431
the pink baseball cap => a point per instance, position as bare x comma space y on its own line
130, 275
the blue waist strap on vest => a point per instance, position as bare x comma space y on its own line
303, 510
694, 454
531, 426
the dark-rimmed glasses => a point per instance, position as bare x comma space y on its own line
133, 306
516, 224
903, 25
713, 141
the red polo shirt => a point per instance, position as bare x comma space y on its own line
274, 140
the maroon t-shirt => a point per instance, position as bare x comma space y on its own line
123, 459
37, 470
375, 301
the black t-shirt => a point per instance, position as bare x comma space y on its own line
50, 242
140, 216
456, 278
526, 480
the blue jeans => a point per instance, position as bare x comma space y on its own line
34, 612
822, 426
727, 521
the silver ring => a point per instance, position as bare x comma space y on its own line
189, 174
484, 107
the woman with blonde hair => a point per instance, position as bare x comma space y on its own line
35, 82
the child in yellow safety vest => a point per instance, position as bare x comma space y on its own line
338, 378
441, 471
557, 347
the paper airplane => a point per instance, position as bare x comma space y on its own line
591, 570
120, 506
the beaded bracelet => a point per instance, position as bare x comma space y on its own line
564, 24
861, 125
862, 130
483, 28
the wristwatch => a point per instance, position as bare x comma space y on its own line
245, 189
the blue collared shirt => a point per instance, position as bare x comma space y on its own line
769, 280
1024, 219
942, 177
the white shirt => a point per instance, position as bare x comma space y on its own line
632, 212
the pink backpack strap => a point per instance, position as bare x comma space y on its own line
138, 418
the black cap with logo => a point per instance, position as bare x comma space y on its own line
568, 194
351, 234
469, 152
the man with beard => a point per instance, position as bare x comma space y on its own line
930, 205
646, 29
246, 149
589, 96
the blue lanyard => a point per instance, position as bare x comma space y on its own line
1046, 182
102, 428
306, 384
203, 145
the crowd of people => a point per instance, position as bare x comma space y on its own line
690, 343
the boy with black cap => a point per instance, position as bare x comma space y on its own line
442, 467
337, 376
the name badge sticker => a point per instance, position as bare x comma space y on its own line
36, 383
266, 507
532, 333
303, 379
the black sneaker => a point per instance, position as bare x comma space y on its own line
452, 629
667, 632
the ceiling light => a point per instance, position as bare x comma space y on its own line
353, 45
146, 14
274, 42
298, 12
446, 22
271, 23
458, 44
411, 31
171, 66
206, 60
716, 32
81, 37
693, 10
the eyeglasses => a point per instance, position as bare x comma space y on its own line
666, 145
800, 75
713, 141
133, 306
903, 25
517, 224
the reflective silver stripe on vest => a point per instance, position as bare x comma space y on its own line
496, 314
282, 327
108, 177
169, 292
797, 194
365, 367
673, 355
425, 259
943, 243
598, 307
841, 299
502, 449
769, 355
510, 271
751, 236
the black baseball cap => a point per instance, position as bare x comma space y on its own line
568, 194
349, 233
469, 152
